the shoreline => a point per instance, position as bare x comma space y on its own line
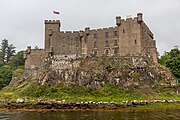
125, 106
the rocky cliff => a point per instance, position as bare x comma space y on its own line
93, 72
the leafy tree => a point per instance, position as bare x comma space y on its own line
9, 62
172, 61
7, 50
6, 72
17, 60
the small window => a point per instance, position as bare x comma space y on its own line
115, 33
106, 52
135, 41
95, 44
106, 35
95, 36
123, 31
116, 51
77, 48
106, 43
115, 42
95, 52
77, 41
63, 39
63, 48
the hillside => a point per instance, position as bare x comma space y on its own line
74, 78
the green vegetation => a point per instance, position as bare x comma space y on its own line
9, 62
171, 60
108, 93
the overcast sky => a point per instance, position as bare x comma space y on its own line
22, 21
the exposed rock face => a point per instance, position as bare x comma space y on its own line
92, 72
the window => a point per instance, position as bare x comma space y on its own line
63, 39
107, 52
135, 41
77, 41
123, 31
115, 33
95, 36
106, 43
95, 52
95, 44
116, 51
77, 48
106, 35
63, 48
115, 42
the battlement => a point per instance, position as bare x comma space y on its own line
138, 19
52, 22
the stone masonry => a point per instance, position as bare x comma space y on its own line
130, 37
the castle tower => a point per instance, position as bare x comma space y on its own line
50, 27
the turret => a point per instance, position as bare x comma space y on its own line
50, 27
81, 33
139, 17
87, 30
29, 49
118, 21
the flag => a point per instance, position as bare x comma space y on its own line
55, 12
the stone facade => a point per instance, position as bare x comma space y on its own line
130, 37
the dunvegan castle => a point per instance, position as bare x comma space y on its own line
130, 37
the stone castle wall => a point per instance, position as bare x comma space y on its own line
34, 58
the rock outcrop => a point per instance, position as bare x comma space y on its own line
93, 72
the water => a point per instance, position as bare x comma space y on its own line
85, 115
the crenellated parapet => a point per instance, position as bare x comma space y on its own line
52, 21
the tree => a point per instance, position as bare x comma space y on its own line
172, 61
7, 50
6, 72
17, 60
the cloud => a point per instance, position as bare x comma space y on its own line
22, 22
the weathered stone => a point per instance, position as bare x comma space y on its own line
20, 100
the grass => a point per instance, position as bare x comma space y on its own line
108, 93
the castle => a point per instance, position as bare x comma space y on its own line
130, 37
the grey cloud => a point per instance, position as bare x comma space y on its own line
22, 20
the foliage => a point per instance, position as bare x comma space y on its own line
9, 62
7, 50
172, 61
17, 60
5, 75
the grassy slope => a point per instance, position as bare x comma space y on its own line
108, 93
